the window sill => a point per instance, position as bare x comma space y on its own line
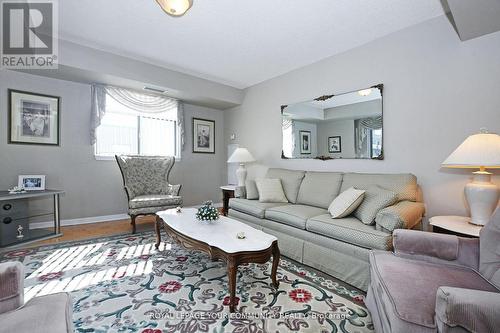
112, 158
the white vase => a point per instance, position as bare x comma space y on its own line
241, 175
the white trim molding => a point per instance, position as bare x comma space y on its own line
82, 220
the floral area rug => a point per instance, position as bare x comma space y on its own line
123, 284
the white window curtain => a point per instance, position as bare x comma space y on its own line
138, 101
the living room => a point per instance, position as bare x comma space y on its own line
250, 166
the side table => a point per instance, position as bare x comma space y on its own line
227, 193
457, 225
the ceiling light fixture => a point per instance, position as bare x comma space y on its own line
365, 92
175, 7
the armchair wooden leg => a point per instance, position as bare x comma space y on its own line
132, 222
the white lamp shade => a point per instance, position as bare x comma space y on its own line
241, 155
478, 150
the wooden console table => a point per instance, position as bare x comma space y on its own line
17, 213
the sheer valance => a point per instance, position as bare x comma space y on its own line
134, 101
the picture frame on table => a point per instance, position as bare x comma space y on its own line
203, 136
334, 144
305, 142
32, 182
33, 118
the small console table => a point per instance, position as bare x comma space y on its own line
19, 210
457, 225
227, 193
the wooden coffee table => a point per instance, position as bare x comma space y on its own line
219, 240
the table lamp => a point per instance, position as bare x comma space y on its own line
241, 156
480, 151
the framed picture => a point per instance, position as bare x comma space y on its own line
32, 182
334, 144
33, 118
203, 136
305, 142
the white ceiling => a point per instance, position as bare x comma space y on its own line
237, 42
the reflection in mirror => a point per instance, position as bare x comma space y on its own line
335, 126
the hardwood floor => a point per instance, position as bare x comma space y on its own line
102, 229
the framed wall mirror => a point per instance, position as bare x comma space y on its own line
348, 125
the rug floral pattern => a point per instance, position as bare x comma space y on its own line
122, 284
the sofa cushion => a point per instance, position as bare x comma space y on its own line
350, 230
270, 190
375, 199
394, 280
319, 188
155, 200
294, 215
489, 254
404, 185
252, 207
346, 203
252, 193
290, 179
50, 313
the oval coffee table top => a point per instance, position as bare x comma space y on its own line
221, 233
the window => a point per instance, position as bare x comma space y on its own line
126, 131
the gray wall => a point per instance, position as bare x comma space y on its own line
437, 91
94, 188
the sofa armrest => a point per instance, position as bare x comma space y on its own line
174, 189
474, 310
11, 286
434, 247
403, 215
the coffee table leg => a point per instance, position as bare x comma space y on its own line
158, 234
232, 269
276, 261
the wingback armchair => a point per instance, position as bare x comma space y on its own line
437, 283
145, 179
49, 313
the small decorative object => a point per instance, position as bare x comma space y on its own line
32, 182
175, 8
207, 212
305, 142
241, 155
33, 118
241, 235
334, 144
16, 190
480, 151
20, 232
203, 136
178, 209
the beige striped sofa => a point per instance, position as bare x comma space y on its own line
307, 233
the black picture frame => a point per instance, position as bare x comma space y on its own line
332, 141
200, 147
305, 142
14, 137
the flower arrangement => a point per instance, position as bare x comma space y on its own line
207, 212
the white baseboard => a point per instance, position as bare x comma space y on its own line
83, 220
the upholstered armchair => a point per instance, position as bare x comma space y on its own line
145, 179
437, 283
50, 313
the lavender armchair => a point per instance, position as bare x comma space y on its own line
50, 313
437, 283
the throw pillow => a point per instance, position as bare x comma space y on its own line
270, 190
251, 189
376, 198
346, 202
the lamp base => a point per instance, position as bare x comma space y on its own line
241, 175
482, 197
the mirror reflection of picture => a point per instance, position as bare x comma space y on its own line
334, 144
203, 136
305, 142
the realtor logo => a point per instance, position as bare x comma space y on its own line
29, 34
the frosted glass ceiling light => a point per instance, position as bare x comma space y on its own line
175, 7
365, 92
